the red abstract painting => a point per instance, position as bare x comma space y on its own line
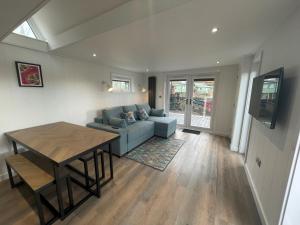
29, 75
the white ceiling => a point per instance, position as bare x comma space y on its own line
178, 37
14, 12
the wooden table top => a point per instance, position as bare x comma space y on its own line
61, 141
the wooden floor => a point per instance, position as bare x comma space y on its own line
205, 184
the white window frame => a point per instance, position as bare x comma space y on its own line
24, 35
120, 77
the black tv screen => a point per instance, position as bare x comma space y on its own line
265, 97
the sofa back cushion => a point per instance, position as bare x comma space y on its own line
107, 114
128, 117
131, 108
157, 112
144, 106
142, 114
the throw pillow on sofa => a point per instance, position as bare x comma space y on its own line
157, 112
117, 122
128, 117
143, 115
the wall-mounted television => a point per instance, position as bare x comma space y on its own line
265, 97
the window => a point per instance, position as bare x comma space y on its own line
121, 84
25, 30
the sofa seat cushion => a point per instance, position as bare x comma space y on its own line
164, 126
140, 129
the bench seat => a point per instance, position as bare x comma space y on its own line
33, 175
37, 173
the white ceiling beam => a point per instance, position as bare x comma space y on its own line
127, 13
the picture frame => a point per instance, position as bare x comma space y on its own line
29, 74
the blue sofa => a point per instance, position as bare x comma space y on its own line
134, 134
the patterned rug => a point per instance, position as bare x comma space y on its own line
156, 152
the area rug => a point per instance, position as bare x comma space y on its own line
156, 152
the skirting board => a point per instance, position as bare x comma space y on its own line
3, 176
234, 148
259, 207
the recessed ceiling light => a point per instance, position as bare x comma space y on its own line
94, 55
218, 62
214, 30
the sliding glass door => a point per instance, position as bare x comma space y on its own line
202, 102
177, 100
190, 100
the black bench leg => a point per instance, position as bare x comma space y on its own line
86, 172
102, 165
11, 179
70, 192
39, 208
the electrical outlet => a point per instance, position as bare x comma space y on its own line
258, 162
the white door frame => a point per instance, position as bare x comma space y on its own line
203, 76
167, 102
190, 78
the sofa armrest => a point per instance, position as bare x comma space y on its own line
106, 127
98, 119
119, 147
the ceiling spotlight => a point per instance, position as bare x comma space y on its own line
214, 30
94, 55
218, 62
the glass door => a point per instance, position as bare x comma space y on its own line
178, 98
201, 105
191, 101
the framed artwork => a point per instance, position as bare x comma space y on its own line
29, 75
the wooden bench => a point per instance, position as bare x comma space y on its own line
89, 181
37, 173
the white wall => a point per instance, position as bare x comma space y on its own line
226, 86
72, 92
245, 67
276, 147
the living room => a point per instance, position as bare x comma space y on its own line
143, 112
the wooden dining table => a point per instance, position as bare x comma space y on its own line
61, 143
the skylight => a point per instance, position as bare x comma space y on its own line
25, 30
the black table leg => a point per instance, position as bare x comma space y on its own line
96, 164
111, 162
15, 147
59, 191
